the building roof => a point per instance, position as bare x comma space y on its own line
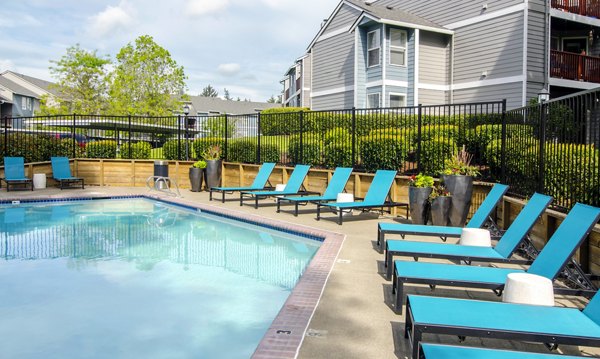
218, 105
16, 88
43, 84
395, 15
4, 99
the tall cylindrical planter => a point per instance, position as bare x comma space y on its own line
440, 210
196, 179
418, 200
461, 189
213, 173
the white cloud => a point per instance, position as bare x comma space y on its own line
6, 65
111, 19
229, 69
205, 7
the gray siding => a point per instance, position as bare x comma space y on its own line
342, 100
495, 46
533, 89
306, 65
361, 73
395, 72
410, 101
511, 92
535, 45
395, 90
432, 97
448, 11
333, 62
345, 17
433, 58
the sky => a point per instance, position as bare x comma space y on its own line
245, 46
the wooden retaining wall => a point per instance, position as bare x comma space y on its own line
133, 173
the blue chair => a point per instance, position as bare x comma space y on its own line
61, 172
378, 196
481, 218
549, 263
475, 318
294, 186
440, 351
260, 181
502, 252
14, 173
336, 185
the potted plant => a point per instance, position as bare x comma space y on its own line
458, 179
440, 201
212, 156
197, 175
420, 187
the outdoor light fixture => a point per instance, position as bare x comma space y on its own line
186, 109
543, 96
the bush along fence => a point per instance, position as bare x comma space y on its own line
549, 147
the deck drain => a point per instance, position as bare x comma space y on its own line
286, 332
343, 261
316, 333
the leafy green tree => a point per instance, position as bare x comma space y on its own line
146, 80
226, 95
209, 91
274, 99
81, 83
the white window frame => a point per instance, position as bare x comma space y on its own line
378, 94
374, 48
23, 103
404, 35
402, 95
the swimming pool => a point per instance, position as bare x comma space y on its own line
140, 278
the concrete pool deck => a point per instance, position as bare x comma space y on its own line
354, 318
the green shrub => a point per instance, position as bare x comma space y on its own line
280, 121
202, 144
382, 152
521, 161
32, 148
337, 155
269, 153
241, 151
337, 135
434, 153
102, 149
309, 152
170, 149
482, 135
66, 148
139, 150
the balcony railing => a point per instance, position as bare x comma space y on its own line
566, 65
581, 7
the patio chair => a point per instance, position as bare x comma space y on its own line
506, 246
61, 172
508, 321
549, 263
14, 173
482, 217
378, 196
336, 185
440, 351
259, 183
294, 186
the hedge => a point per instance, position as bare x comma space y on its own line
102, 149
434, 153
201, 144
309, 153
482, 135
245, 151
337, 155
170, 149
382, 152
280, 121
139, 150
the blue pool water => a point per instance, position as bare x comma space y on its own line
137, 278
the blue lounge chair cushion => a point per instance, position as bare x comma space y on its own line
453, 273
449, 312
259, 181
420, 229
433, 351
336, 185
443, 249
293, 185
61, 169
376, 195
14, 169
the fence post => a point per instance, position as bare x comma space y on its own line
419, 125
73, 136
179, 137
225, 140
258, 139
542, 157
301, 121
5, 147
354, 137
503, 145
129, 140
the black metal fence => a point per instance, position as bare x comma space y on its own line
550, 148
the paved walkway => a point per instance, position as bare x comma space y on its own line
354, 318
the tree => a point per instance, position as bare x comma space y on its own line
146, 80
81, 83
226, 95
272, 99
209, 91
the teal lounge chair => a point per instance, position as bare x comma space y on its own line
294, 186
549, 263
14, 173
475, 318
481, 218
61, 172
440, 351
336, 185
260, 181
502, 252
378, 196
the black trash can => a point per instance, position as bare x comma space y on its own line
161, 168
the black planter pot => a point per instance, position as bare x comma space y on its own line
440, 211
418, 200
461, 189
196, 178
213, 173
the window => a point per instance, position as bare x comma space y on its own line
398, 47
29, 103
373, 48
397, 100
373, 100
23, 103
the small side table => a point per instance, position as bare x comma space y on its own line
39, 180
525, 288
